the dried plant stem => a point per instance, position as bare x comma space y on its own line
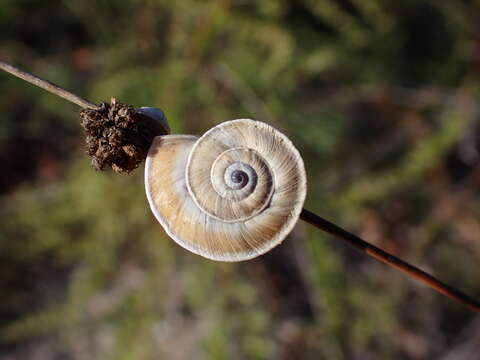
389, 259
48, 86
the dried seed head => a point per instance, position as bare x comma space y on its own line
118, 136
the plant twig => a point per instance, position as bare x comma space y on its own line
47, 85
389, 259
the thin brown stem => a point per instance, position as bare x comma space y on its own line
48, 86
389, 259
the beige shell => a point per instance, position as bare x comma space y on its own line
230, 195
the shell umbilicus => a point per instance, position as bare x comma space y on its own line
230, 195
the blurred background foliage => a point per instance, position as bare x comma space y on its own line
381, 98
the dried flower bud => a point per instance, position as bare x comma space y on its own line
118, 136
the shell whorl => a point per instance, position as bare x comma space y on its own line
230, 195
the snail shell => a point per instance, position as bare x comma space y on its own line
157, 115
230, 195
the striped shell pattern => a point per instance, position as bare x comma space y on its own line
230, 195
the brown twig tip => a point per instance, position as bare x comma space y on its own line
117, 136
390, 260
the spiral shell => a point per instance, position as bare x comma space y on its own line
230, 195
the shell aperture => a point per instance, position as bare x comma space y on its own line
230, 195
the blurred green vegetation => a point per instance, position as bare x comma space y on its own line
380, 97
